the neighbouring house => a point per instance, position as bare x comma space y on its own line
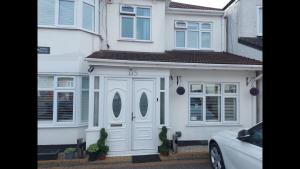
133, 66
244, 20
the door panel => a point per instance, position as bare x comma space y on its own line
143, 115
117, 110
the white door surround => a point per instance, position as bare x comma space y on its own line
129, 115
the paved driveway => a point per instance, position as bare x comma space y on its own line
181, 164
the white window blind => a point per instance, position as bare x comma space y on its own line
88, 16
65, 106
45, 82
213, 108
196, 108
66, 12
46, 12
45, 105
230, 109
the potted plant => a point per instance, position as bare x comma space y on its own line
164, 148
93, 152
103, 149
70, 153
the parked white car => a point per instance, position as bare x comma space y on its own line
237, 150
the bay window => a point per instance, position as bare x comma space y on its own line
135, 22
213, 102
193, 35
56, 12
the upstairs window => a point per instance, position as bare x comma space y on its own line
88, 15
62, 15
135, 22
193, 35
259, 20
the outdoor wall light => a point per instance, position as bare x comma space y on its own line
91, 68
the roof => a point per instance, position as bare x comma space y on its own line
254, 42
206, 57
228, 4
189, 6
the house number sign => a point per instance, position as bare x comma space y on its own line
43, 50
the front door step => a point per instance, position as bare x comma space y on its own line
145, 158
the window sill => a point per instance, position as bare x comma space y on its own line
134, 40
68, 28
215, 125
41, 126
192, 49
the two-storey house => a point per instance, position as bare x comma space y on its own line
133, 66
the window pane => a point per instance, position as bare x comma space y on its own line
45, 81
66, 12
162, 83
230, 109
127, 8
117, 104
180, 39
46, 12
88, 17
196, 88
127, 27
65, 82
180, 24
64, 106
143, 28
85, 82
205, 26
205, 40
96, 82
96, 108
213, 88
193, 26
45, 105
230, 88
144, 104
192, 39
84, 105
162, 107
196, 109
213, 108
143, 11
260, 20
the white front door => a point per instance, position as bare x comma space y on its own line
143, 115
129, 115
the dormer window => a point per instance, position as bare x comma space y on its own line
193, 35
135, 22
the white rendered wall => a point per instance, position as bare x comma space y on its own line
53, 136
179, 103
157, 27
217, 34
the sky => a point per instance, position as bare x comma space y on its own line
207, 3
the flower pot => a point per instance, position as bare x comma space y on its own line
70, 155
93, 156
101, 156
164, 153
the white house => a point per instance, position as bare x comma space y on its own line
244, 35
117, 64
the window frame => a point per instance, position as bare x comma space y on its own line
134, 16
200, 30
95, 13
222, 95
258, 20
56, 16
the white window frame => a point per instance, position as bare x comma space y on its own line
95, 16
135, 16
257, 20
222, 106
56, 16
200, 30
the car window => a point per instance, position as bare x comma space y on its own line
255, 135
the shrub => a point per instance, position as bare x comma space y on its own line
103, 149
93, 148
70, 150
165, 146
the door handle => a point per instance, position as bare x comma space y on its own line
132, 116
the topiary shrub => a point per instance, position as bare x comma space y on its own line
164, 148
103, 149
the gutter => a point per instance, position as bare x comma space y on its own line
194, 11
174, 65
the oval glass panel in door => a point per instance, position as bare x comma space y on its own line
143, 104
116, 104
